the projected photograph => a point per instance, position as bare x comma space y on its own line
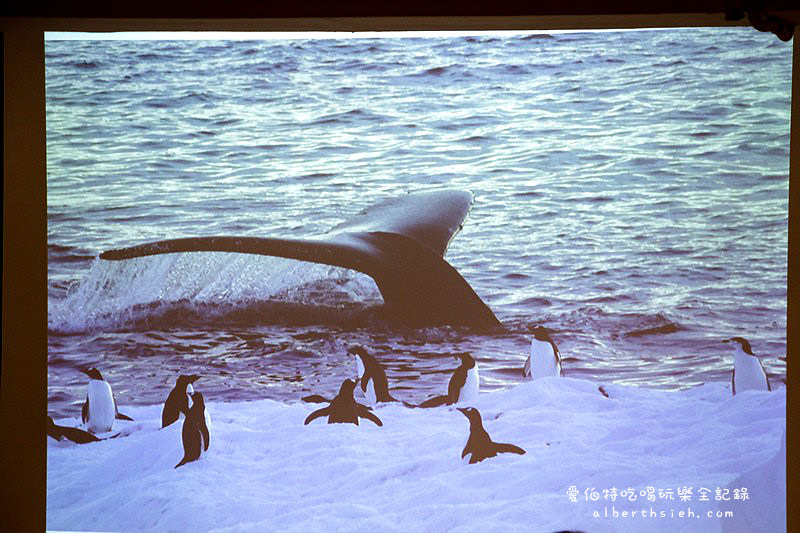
529, 281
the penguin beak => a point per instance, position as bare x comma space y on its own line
193, 378
463, 411
85, 371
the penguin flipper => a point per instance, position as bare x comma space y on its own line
436, 401
118, 415
363, 412
526, 370
465, 451
168, 416
500, 447
316, 414
85, 410
315, 398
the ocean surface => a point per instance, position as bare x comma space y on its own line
631, 196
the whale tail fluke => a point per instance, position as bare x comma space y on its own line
400, 243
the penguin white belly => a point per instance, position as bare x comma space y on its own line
359, 367
207, 417
370, 395
372, 398
469, 391
749, 375
542, 361
101, 406
189, 392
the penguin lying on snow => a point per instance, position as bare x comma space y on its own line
195, 431
100, 408
76, 435
544, 359
463, 386
178, 399
479, 443
344, 408
748, 372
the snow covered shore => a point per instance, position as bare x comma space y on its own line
265, 470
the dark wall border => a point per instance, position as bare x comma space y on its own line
23, 382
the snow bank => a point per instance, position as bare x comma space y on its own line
266, 470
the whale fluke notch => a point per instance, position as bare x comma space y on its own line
400, 243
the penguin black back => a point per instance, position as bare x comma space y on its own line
456, 384
178, 400
459, 377
541, 334
195, 432
373, 371
479, 444
344, 408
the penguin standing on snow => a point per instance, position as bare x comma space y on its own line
464, 384
178, 399
100, 409
195, 431
748, 372
344, 408
544, 359
371, 376
76, 435
479, 443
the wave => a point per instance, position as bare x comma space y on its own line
67, 254
537, 37
187, 290
664, 329
346, 117
589, 319
232, 316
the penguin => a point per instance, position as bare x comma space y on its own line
479, 444
100, 408
372, 377
344, 408
195, 431
178, 399
76, 435
544, 359
464, 384
748, 372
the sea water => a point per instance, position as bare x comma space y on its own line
631, 195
